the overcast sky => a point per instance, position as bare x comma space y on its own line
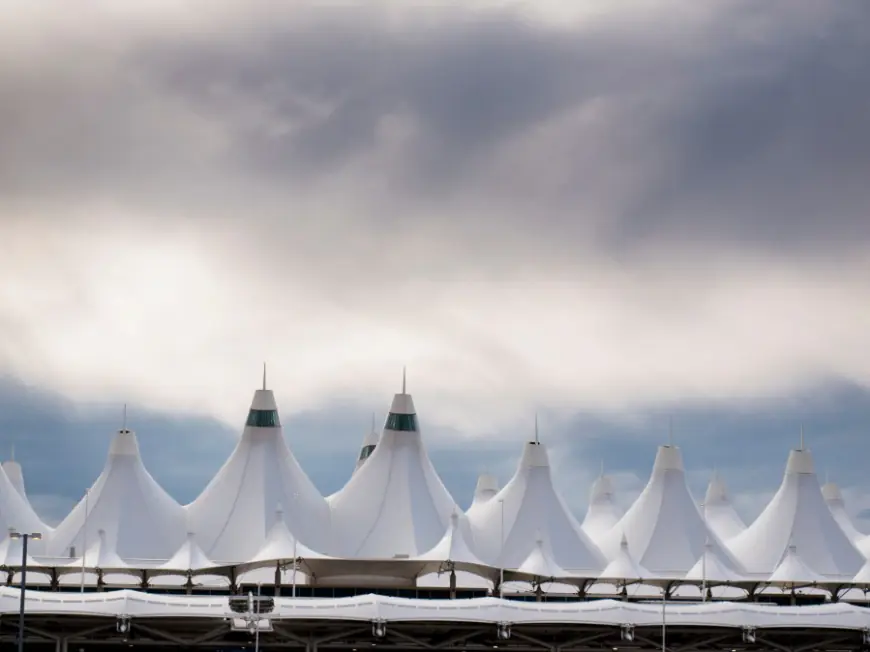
606, 213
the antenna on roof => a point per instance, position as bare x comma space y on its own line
125, 417
537, 440
404, 369
264, 375
802, 438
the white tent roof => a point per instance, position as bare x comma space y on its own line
395, 504
623, 566
834, 499
11, 552
453, 546
863, 575
16, 476
721, 516
711, 567
793, 570
797, 514
603, 511
369, 444
140, 520
281, 544
189, 557
541, 562
665, 529
99, 555
487, 487
235, 512
15, 510
527, 505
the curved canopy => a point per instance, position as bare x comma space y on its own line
720, 514
139, 520
506, 527
603, 512
665, 530
233, 515
395, 504
797, 515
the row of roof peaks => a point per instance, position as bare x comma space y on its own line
396, 506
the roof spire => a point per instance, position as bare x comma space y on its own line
124, 426
802, 438
537, 439
264, 375
404, 369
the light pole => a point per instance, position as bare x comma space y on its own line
24, 538
85, 538
295, 549
704, 554
501, 553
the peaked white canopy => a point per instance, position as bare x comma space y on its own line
281, 544
233, 515
16, 512
139, 519
665, 530
487, 488
541, 564
453, 546
720, 514
863, 575
11, 553
99, 554
793, 570
712, 568
16, 476
189, 557
505, 526
603, 512
834, 499
369, 444
395, 505
797, 515
623, 567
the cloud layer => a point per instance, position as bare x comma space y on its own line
563, 206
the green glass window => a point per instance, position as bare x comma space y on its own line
402, 422
366, 451
263, 419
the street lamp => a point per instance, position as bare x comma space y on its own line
24, 538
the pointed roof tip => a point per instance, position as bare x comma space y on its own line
124, 419
537, 437
404, 379
264, 375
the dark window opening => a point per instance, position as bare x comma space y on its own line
402, 422
263, 419
366, 451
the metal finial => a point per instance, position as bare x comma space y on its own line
537, 439
404, 378
264, 375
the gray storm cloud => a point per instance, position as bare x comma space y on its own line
652, 203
